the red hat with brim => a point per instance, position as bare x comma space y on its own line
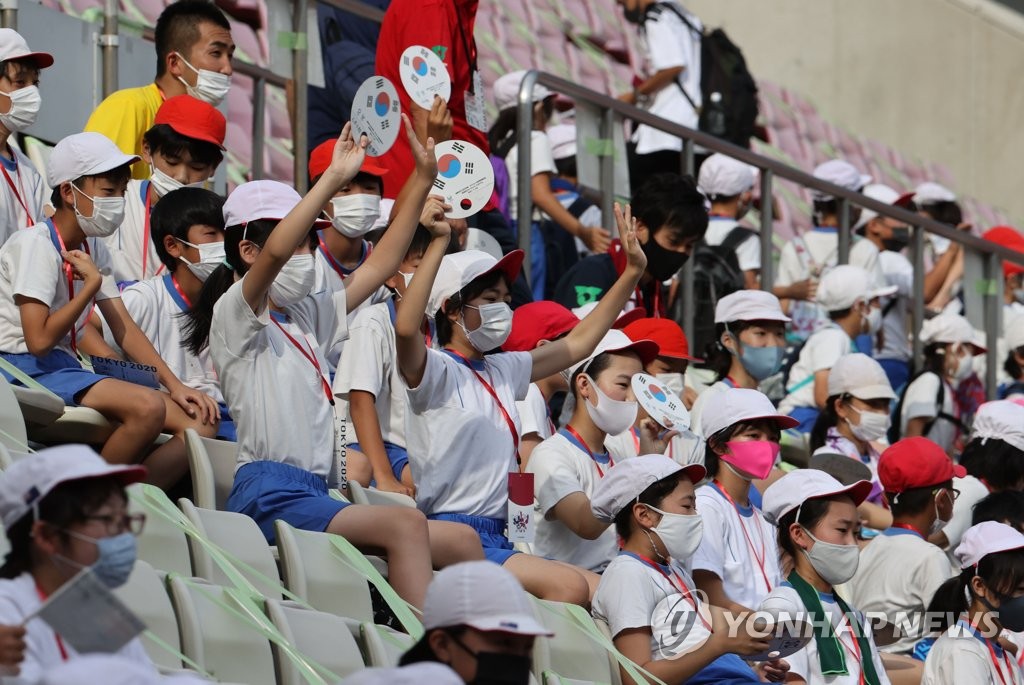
320, 158
193, 118
916, 463
666, 332
536, 321
1010, 238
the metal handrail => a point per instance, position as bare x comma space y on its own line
615, 111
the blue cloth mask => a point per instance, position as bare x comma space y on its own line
762, 362
116, 559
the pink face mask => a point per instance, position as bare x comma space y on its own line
751, 459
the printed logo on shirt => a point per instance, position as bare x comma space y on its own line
585, 294
441, 51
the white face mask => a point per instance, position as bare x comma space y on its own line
611, 416
964, 367
407, 277
162, 183
495, 325
874, 320
680, 533
355, 215
25, 104
294, 281
673, 381
873, 426
938, 524
836, 564
210, 257
107, 215
211, 86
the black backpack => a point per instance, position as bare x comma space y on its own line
723, 71
895, 431
716, 273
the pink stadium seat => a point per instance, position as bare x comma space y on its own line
238, 141
247, 42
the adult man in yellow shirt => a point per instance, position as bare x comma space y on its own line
193, 49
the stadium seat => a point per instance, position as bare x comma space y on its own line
212, 465
146, 594
571, 653
382, 646
240, 538
162, 544
361, 495
216, 638
323, 638
12, 424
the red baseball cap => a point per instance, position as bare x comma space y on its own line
1007, 237
916, 463
536, 321
320, 158
193, 118
666, 332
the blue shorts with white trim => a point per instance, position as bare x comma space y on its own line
496, 546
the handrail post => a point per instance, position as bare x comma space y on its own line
844, 230
524, 203
993, 315
300, 134
767, 232
9, 14
607, 162
688, 167
259, 109
689, 163
917, 300
108, 41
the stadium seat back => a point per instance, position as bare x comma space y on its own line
212, 464
323, 638
162, 545
146, 594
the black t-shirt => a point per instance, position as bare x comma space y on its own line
586, 281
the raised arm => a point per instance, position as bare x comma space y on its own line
295, 227
582, 340
383, 261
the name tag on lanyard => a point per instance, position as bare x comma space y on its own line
522, 524
476, 106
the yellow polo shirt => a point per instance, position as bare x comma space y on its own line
124, 116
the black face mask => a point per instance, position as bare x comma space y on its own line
662, 264
899, 240
497, 668
634, 16
1010, 611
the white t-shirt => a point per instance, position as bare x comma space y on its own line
898, 574
625, 445
560, 469
919, 402
668, 43
748, 253
958, 657
541, 161
19, 598
268, 382
821, 351
738, 546
972, 491
785, 600
533, 414
368, 364
26, 183
157, 308
126, 244
460, 446
900, 273
30, 265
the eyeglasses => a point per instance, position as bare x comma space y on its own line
953, 492
133, 523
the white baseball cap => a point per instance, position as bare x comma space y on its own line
740, 404
794, 488
950, 328
859, 375
29, 480
506, 90
841, 173
255, 200
1015, 332
111, 669
929, 192
625, 481
460, 269
845, 284
414, 674
882, 193
84, 154
725, 176
563, 140
617, 341
1000, 420
988, 537
749, 305
14, 47
481, 595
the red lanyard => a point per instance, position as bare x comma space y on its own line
145, 233
907, 526
342, 272
761, 560
311, 357
635, 432
995, 660
70, 274
855, 651
572, 431
675, 581
188, 302
490, 391
60, 643
655, 312
29, 220
731, 382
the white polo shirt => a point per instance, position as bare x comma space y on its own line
461, 448
958, 656
919, 402
541, 161
821, 351
561, 468
21, 187
534, 415
972, 491
748, 253
132, 244
900, 273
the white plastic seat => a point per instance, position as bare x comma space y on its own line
163, 545
38, 407
146, 594
313, 572
240, 537
12, 421
361, 495
383, 646
77, 425
223, 644
323, 638
212, 464
571, 653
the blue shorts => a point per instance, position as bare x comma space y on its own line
268, 490
806, 416
226, 430
398, 456
898, 372
496, 546
57, 371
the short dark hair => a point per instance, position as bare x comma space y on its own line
812, 511
566, 166
716, 356
177, 28
915, 500
168, 142
180, 210
1004, 506
1011, 366
653, 495
20, 65
944, 212
593, 368
121, 174
837, 314
822, 208
472, 290
672, 201
995, 462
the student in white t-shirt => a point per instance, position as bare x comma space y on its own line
729, 184
535, 324
184, 147
267, 333
50, 277
847, 293
568, 465
23, 194
737, 562
988, 596
1014, 362
462, 427
655, 614
816, 517
63, 509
